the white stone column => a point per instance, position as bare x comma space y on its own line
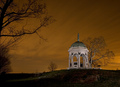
85, 62
78, 61
72, 61
69, 62
70, 56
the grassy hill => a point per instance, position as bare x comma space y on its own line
69, 78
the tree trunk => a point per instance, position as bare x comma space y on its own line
90, 59
4, 9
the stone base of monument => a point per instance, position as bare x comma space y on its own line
85, 68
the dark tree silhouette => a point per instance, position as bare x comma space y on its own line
52, 66
98, 53
12, 11
4, 59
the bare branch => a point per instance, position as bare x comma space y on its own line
98, 59
108, 54
4, 59
8, 22
21, 12
10, 14
16, 35
12, 42
46, 19
93, 55
41, 36
5, 7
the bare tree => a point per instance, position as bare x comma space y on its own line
12, 11
52, 66
98, 53
4, 59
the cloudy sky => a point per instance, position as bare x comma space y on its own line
89, 18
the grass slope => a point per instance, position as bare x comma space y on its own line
70, 78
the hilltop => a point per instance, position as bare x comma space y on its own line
70, 78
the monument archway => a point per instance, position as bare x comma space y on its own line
81, 61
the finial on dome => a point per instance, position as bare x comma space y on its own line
78, 37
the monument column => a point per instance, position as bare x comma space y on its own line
78, 61
69, 62
85, 62
72, 61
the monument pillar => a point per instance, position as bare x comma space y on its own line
78, 61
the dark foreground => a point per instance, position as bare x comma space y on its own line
66, 78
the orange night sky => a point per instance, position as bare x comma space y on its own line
89, 18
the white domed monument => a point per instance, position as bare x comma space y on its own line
78, 56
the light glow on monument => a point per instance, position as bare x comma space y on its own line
80, 51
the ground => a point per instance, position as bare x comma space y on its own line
65, 78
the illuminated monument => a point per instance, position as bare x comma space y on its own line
78, 56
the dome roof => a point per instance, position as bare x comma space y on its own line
77, 44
